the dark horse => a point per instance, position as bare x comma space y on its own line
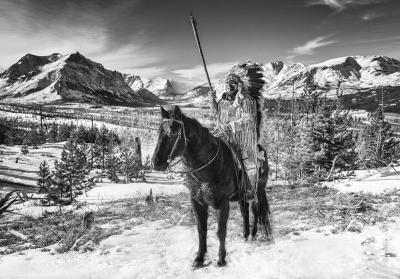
212, 178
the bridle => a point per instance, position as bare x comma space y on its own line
181, 131
186, 140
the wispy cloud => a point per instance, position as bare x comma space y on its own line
372, 15
309, 47
196, 76
337, 5
340, 5
148, 72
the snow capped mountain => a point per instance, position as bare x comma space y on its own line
197, 97
72, 77
360, 78
160, 87
352, 73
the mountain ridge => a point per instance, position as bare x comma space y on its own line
359, 79
348, 73
71, 77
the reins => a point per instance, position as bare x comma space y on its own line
186, 143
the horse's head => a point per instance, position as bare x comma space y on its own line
172, 138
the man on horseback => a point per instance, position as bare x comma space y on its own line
239, 119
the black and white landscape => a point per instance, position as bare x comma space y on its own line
81, 86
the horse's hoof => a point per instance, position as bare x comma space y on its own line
221, 263
198, 264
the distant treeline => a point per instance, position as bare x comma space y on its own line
13, 131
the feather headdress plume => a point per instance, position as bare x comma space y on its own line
250, 75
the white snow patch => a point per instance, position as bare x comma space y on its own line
156, 250
157, 182
372, 181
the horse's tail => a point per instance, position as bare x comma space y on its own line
265, 216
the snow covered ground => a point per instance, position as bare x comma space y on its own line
24, 172
157, 182
372, 181
155, 250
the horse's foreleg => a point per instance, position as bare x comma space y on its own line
201, 214
222, 217
244, 209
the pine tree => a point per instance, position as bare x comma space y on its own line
333, 140
52, 133
130, 166
81, 135
303, 150
35, 136
65, 131
59, 185
380, 141
113, 164
70, 171
44, 181
92, 134
101, 149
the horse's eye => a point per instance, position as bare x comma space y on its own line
174, 130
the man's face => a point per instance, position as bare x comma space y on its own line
233, 90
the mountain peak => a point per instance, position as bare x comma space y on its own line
27, 64
159, 86
73, 77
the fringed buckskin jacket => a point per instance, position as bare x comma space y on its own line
237, 124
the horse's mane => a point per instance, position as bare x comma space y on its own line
202, 132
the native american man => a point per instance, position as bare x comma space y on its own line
239, 119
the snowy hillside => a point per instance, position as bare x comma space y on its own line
72, 77
197, 97
160, 87
352, 73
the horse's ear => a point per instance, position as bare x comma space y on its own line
177, 113
164, 113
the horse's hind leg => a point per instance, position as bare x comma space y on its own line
201, 214
254, 207
244, 209
222, 217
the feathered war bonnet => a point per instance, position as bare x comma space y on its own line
250, 75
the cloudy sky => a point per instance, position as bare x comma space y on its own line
154, 37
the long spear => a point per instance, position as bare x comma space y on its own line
196, 35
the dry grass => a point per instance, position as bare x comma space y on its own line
294, 210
